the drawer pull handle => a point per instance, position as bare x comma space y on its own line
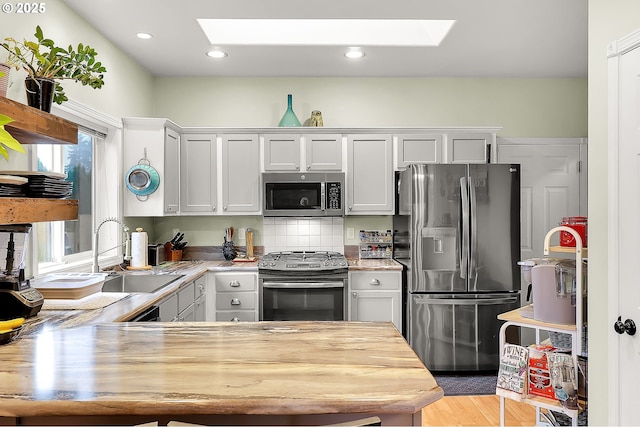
374, 282
235, 319
234, 284
235, 301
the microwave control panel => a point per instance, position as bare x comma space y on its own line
334, 195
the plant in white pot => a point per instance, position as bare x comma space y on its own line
45, 63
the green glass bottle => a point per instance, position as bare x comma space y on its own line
289, 119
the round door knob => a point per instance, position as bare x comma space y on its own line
629, 326
354, 294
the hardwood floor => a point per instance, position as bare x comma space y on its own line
477, 411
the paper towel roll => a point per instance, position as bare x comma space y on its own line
139, 248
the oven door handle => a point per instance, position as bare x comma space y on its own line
302, 285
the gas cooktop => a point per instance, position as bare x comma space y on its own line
303, 261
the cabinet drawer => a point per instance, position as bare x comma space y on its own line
186, 296
236, 316
371, 280
236, 282
236, 301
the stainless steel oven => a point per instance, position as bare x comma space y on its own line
303, 286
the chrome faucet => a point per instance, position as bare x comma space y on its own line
127, 247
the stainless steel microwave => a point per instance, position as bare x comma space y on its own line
303, 194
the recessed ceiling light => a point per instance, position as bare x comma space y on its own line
144, 36
354, 53
217, 54
326, 32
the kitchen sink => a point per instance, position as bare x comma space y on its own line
147, 283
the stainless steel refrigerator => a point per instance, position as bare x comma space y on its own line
457, 231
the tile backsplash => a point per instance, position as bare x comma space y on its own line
297, 234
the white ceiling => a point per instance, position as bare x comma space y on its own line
491, 38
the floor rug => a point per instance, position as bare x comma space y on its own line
464, 385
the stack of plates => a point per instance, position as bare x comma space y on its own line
43, 184
13, 186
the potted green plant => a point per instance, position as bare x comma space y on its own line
6, 140
45, 63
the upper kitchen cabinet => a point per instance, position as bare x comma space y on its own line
241, 174
468, 147
444, 146
369, 175
323, 152
32, 126
281, 152
418, 148
305, 152
198, 173
155, 142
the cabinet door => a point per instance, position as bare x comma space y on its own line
198, 173
418, 148
171, 170
376, 306
241, 174
200, 309
169, 308
468, 147
369, 175
323, 152
281, 152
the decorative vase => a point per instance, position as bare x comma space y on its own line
40, 93
228, 250
289, 119
4, 79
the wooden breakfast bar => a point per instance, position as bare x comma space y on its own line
257, 373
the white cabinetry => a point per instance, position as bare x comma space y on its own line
241, 174
369, 175
188, 304
281, 152
376, 296
468, 147
157, 140
418, 148
198, 173
232, 296
447, 147
323, 152
306, 152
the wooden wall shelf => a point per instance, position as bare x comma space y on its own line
33, 126
18, 210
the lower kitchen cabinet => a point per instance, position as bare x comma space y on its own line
376, 296
232, 296
188, 304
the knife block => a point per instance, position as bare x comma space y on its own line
175, 255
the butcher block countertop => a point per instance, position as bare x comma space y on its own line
253, 373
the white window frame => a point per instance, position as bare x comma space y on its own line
107, 197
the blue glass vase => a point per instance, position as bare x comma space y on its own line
289, 119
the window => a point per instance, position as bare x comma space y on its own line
61, 241
92, 165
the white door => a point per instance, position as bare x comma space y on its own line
550, 187
624, 231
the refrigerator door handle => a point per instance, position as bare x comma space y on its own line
464, 249
464, 301
473, 236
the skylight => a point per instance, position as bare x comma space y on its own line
326, 32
